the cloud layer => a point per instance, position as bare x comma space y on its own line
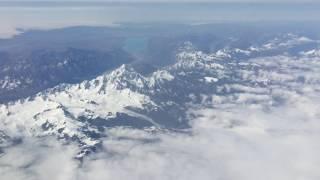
279, 144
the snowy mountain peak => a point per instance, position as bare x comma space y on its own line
123, 70
193, 59
126, 77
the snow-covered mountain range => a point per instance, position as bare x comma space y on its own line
161, 100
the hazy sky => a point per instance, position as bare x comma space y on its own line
28, 14
193, 1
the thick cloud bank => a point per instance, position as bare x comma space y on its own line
267, 128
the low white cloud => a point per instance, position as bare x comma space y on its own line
42, 158
240, 143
